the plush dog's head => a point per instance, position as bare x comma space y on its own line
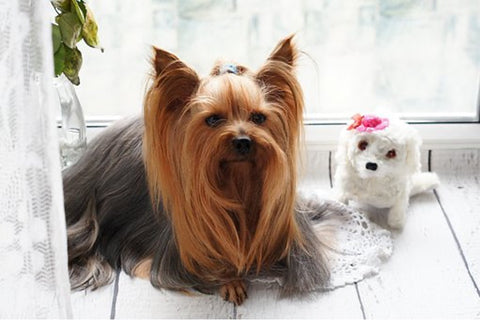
221, 154
379, 147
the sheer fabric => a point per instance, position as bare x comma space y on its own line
33, 255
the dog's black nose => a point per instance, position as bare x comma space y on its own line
371, 166
242, 145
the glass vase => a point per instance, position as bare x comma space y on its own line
72, 134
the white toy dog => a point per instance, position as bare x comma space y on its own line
378, 163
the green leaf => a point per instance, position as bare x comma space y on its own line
59, 60
90, 29
61, 5
81, 4
56, 37
73, 63
70, 28
78, 11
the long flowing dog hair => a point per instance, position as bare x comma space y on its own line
207, 203
170, 189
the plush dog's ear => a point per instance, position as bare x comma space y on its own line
277, 77
343, 166
412, 157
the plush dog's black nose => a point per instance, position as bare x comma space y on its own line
371, 166
242, 145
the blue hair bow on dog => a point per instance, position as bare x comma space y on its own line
228, 68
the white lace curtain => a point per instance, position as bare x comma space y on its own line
33, 255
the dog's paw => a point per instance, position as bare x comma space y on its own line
340, 196
234, 291
396, 220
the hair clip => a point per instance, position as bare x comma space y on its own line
368, 123
228, 68
220, 69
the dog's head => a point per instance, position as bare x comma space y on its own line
221, 153
387, 148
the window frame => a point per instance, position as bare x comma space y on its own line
321, 133
437, 132
434, 135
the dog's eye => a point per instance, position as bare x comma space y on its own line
362, 145
258, 118
213, 120
391, 154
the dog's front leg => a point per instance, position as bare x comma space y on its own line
397, 213
340, 195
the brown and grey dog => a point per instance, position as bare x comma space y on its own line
200, 192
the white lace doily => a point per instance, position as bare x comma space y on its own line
360, 248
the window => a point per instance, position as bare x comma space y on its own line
418, 58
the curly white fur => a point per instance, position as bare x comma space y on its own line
371, 177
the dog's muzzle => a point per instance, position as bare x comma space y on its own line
371, 166
242, 145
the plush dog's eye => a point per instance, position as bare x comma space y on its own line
213, 120
362, 145
258, 118
391, 154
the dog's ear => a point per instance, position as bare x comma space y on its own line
278, 79
412, 157
342, 165
285, 51
174, 78
173, 85
161, 59
280, 64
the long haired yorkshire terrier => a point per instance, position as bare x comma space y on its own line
200, 192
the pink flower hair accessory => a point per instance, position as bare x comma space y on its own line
368, 123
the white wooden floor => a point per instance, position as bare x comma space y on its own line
434, 271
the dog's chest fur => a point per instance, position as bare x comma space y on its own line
380, 192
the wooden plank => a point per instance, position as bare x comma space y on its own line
424, 154
315, 175
93, 304
459, 195
137, 298
263, 301
314, 171
425, 277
